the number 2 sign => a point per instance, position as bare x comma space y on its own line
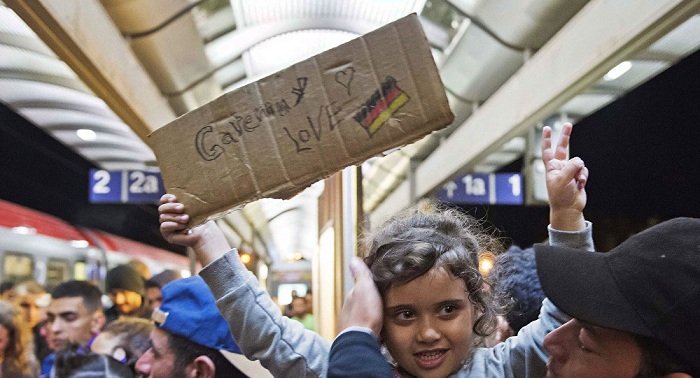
128, 186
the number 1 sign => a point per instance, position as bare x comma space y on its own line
484, 188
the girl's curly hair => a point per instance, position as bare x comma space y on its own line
411, 243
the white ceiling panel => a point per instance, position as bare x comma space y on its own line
248, 13
585, 103
282, 51
682, 41
639, 72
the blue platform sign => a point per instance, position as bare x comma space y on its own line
127, 186
484, 189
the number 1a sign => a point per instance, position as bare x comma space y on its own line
484, 189
128, 186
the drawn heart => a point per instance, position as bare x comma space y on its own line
344, 77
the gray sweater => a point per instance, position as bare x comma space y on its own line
287, 349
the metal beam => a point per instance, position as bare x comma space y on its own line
601, 35
84, 37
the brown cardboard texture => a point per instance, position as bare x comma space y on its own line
275, 137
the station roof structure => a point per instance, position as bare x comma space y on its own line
100, 76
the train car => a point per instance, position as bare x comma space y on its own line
38, 246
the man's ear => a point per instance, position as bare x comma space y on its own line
97, 322
202, 367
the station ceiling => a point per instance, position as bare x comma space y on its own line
117, 69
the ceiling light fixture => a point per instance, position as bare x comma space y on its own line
86, 135
618, 71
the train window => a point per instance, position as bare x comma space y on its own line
57, 272
80, 270
17, 267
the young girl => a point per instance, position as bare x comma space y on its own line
436, 308
425, 266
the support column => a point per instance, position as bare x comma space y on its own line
340, 222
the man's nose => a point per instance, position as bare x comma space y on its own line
143, 364
54, 326
558, 343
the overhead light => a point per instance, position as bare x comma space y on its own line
86, 135
618, 71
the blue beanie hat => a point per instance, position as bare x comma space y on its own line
189, 310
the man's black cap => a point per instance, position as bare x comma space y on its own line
649, 285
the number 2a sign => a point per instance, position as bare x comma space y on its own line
130, 186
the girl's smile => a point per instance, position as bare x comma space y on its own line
428, 324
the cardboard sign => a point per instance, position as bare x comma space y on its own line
275, 137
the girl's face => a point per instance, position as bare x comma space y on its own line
428, 324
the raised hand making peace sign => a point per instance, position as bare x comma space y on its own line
566, 181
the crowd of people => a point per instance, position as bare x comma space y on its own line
420, 307
176, 328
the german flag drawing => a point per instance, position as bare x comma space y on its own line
381, 106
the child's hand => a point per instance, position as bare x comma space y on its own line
363, 305
173, 222
566, 181
207, 240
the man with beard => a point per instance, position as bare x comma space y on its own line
189, 335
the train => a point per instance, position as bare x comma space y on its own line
41, 247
